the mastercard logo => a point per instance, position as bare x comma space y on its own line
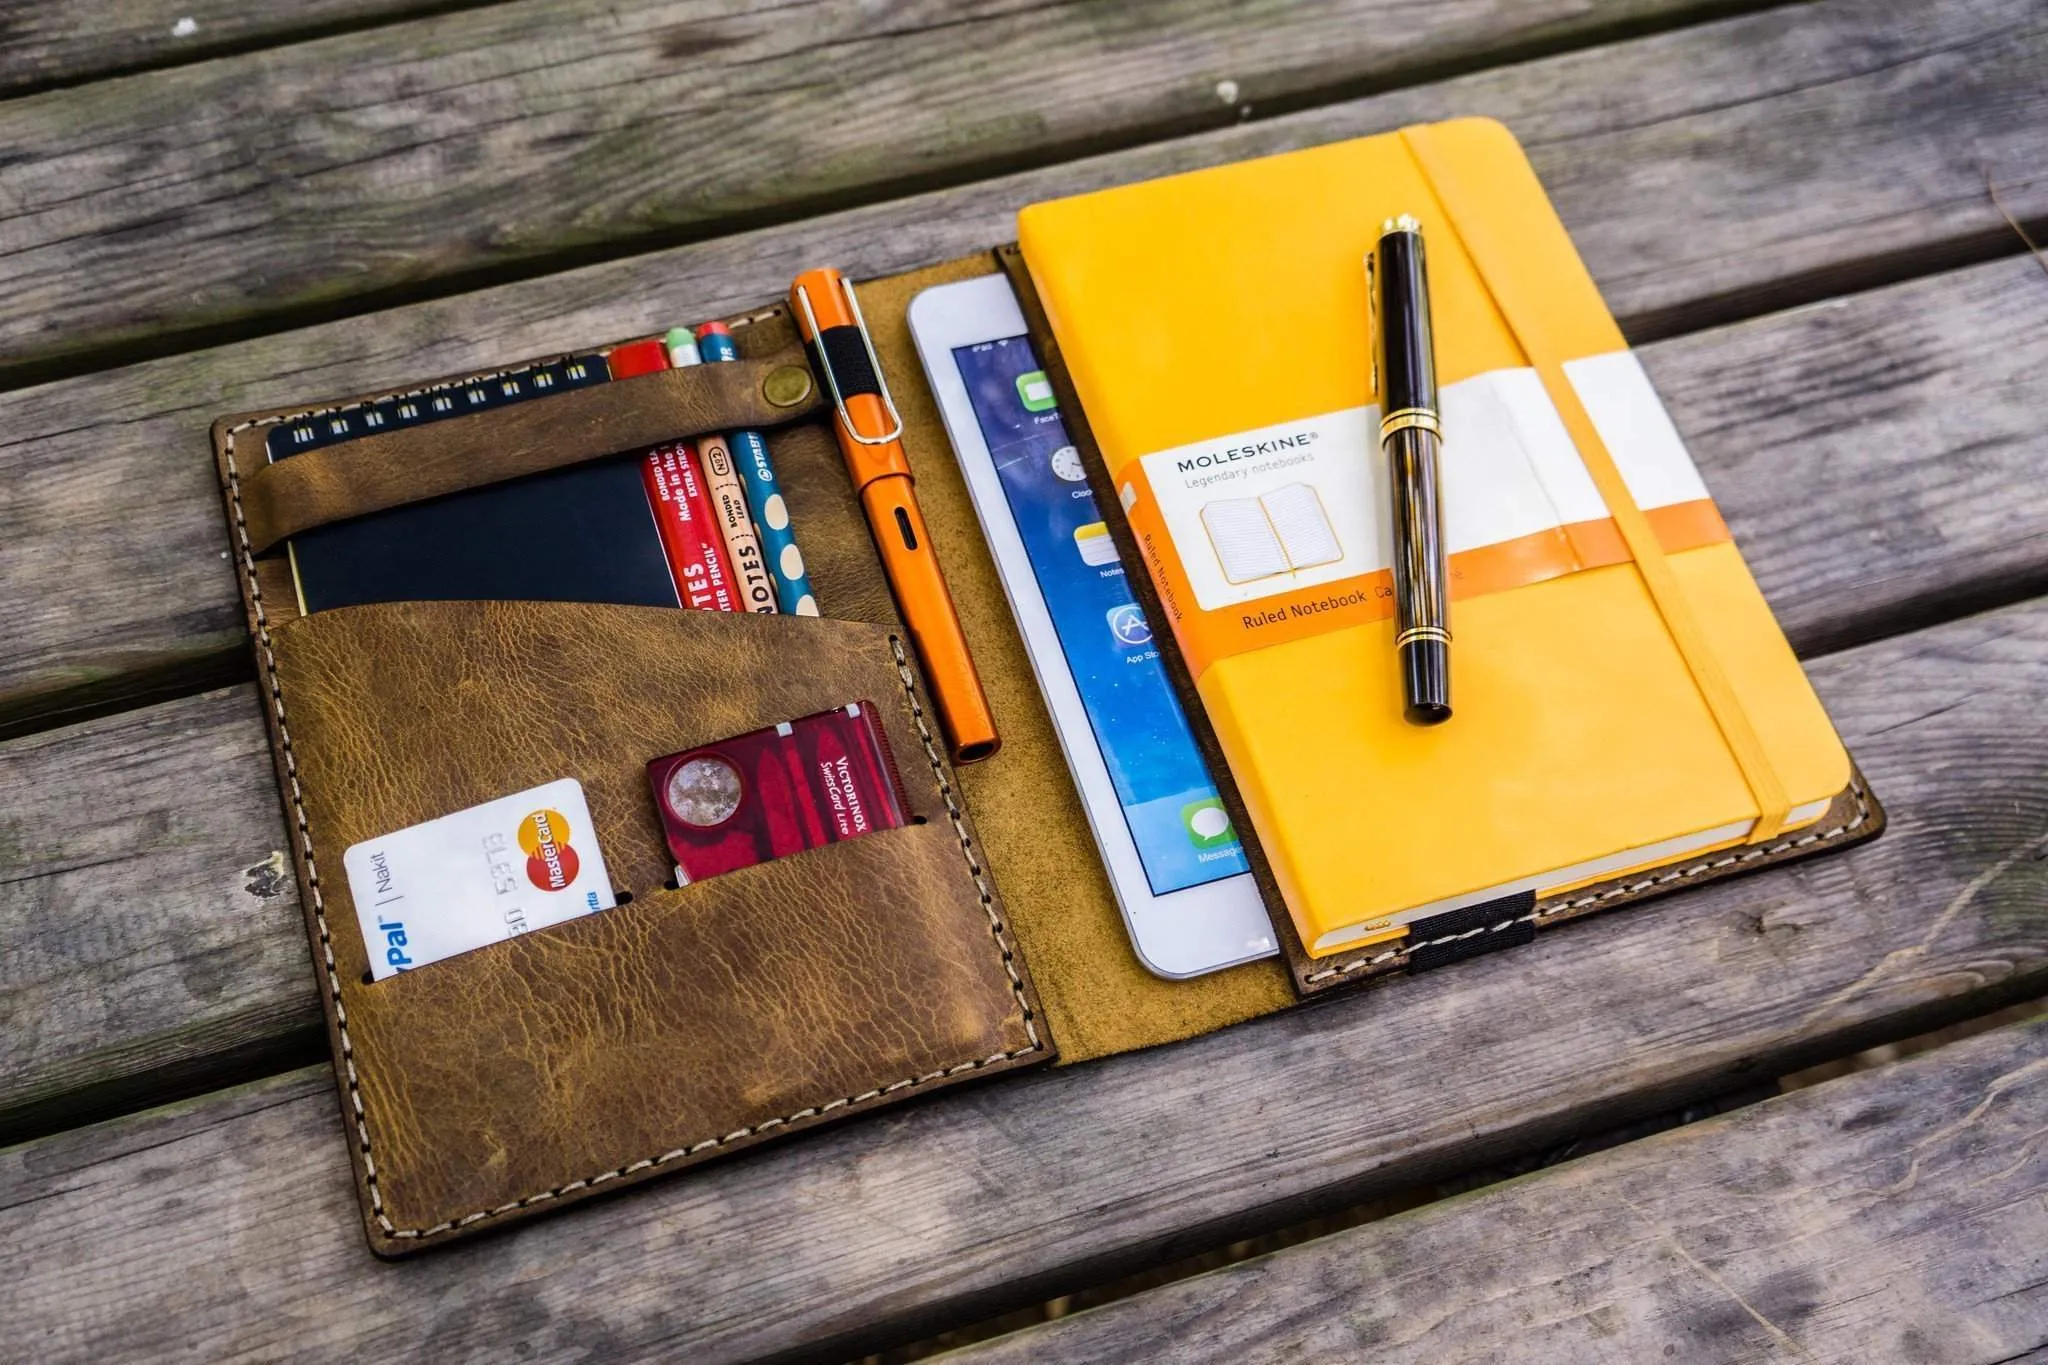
550, 863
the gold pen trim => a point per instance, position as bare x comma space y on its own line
1404, 418
1415, 633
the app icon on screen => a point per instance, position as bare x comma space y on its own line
1094, 544
1208, 824
1129, 626
1066, 462
1034, 391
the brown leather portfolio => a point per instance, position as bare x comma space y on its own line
685, 1023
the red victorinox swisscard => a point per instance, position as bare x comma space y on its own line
770, 793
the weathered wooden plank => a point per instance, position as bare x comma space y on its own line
43, 44
414, 152
1669, 156
1876, 457
1894, 1215
1872, 453
87, 853
236, 1210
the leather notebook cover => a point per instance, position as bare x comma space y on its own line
684, 1024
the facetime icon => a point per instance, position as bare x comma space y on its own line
1034, 391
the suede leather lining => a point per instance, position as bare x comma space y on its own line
1098, 997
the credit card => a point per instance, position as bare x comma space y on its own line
476, 877
777, 791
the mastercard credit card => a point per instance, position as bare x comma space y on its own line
477, 877
777, 791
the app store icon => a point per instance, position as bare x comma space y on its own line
1128, 624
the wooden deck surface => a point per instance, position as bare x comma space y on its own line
1892, 1216
1790, 209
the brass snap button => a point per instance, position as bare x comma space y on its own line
787, 385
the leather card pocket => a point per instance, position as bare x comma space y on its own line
670, 1028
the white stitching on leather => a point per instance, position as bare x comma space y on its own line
247, 566
1546, 911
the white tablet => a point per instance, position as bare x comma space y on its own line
1178, 869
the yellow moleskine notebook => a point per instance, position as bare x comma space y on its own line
1623, 697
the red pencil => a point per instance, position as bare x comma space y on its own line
682, 513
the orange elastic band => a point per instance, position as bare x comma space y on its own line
1527, 323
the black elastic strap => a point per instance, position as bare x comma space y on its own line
847, 355
1484, 928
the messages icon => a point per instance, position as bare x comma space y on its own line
1208, 824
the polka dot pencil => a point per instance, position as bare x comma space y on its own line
793, 593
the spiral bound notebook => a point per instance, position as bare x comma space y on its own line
585, 534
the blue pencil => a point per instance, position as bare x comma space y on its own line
793, 594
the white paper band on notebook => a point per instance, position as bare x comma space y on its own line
1282, 532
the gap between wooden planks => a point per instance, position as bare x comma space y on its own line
532, 135
85, 40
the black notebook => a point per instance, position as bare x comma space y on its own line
583, 534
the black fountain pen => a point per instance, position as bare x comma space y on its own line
1410, 438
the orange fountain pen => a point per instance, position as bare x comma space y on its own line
869, 431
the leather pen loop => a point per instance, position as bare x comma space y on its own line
803, 298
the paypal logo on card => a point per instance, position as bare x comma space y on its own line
395, 942
386, 891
